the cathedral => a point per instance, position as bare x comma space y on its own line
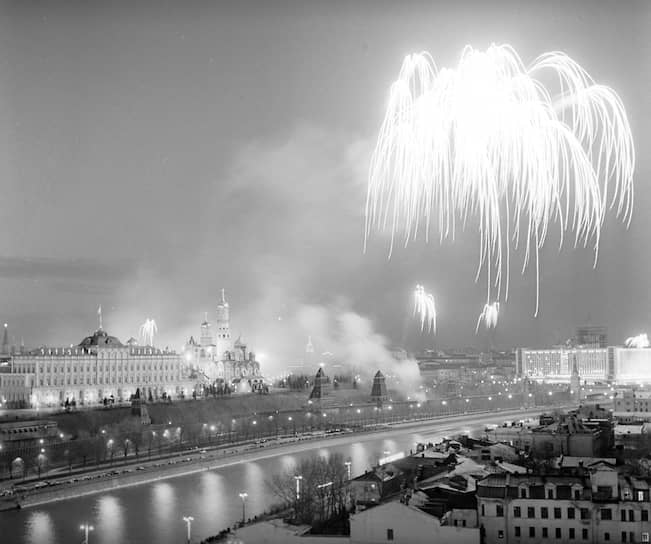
215, 358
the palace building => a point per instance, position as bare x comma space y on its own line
99, 367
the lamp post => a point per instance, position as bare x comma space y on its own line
86, 528
321, 487
348, 465
298, 487
243, 496
188, 520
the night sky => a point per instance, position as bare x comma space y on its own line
152, 154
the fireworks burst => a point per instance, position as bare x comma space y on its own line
424, 306
147, 332
489, 316
639, 341
487, 141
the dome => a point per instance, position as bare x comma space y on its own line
100, 338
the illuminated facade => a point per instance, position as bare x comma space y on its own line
99, 367
215, 357
556, 364
615, 364
630, 365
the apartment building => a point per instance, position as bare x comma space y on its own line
595, 505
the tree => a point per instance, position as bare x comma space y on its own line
322, 488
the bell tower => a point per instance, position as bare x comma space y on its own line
223, 327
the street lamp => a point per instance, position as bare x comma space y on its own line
188, 520
86, 528
298, 487
243, 496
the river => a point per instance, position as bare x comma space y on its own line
153, 512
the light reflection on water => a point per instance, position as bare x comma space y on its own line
110, 520
153, 512
39, 528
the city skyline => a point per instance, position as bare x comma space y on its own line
151, 161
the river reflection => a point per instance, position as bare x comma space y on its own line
153, 512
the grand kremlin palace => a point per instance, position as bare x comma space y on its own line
99, 367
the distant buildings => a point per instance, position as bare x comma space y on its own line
569, 436
556, 364
592, 337
614, 364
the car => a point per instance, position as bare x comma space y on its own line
141, 468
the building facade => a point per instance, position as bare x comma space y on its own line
596, 505
98, 368
555, 365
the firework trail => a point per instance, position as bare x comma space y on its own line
639, 341
489, 316
147, 332
424, 306
487, 141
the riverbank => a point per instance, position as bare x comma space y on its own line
206, 460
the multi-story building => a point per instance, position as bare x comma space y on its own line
98, 368
568, 436
592, 337
556, 364
596, 505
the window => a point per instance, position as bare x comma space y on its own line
577, 494
523, 493
640, 496
606, 536
544, 512
500, 534
531, 512
570, 513
532, 532
645, 515
558, 532
517, 531
499, 510
645, 537
517, 512
584, 534
571, 533
631, 515
631, 536
389, 534
557, 513
483, 510
585, 513
550, 493
606, 514
544, 532
623, 536
623, 513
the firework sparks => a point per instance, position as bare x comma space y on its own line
147, 332
487, 141
424, 306
489, 316
639, 341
